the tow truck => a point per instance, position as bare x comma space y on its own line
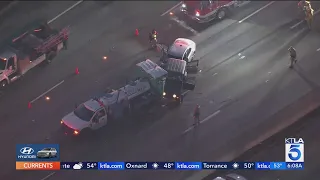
28, 50
204, 11
112, 105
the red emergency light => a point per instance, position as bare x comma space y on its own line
197, 13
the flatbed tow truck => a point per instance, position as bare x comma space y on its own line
28, 50
115, 104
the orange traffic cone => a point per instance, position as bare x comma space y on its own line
77, 71
137, 32
29, 105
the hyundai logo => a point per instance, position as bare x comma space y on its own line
26, 150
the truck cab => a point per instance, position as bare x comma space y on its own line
28, 44
90, 115
8, 68
176, 81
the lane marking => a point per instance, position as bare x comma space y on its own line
258, 10
318, 49
294, 26
48, 176
184, 25
65, 11
202, 121
169, 10
55, 86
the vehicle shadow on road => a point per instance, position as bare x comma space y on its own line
303, 75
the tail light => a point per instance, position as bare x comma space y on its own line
197, 13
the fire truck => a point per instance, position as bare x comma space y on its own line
28, 50
204, 11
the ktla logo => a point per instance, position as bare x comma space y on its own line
294, 150
26, 153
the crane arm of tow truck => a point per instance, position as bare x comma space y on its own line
54, 40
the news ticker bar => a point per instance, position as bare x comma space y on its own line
159, 165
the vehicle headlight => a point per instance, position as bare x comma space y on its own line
75, 132
183, 6
164, 93
61, 122
174, 96
197, 14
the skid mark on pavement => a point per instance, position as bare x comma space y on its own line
184, 25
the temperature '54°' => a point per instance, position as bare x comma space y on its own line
91, 165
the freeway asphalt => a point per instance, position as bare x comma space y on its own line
273, 150
244, 79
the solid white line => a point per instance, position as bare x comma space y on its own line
294, 26
169, 10
256, 11
47, 91
202, 121
48, 176
65, 11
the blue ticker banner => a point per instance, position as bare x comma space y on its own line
295, 166
78, 165
278, 165
37, 152
181, 166
111, 165
188, 165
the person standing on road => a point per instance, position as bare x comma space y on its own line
293, 56
196, 115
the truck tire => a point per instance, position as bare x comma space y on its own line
222, 13
3, 84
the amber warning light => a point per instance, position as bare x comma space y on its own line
37, 165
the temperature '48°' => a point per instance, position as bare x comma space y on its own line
168, 165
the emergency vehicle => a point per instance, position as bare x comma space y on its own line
203, 11
112, 105
28, 50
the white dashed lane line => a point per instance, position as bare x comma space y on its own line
48, 176
43, 94
65, 11
294, 26
169, 10
202, 121
255, 12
